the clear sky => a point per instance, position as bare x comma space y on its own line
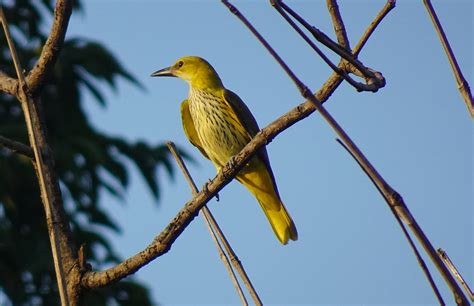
416, 131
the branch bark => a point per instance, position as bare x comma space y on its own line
40, 72
8, 85
338, 24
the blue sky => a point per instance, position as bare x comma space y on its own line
416, 131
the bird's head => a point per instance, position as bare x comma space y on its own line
194, 70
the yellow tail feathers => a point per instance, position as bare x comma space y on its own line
281, 223
260, 183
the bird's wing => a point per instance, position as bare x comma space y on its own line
189, 129
250, 124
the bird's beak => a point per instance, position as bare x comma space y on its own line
163, 72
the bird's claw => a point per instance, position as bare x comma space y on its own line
206, 189
232, 161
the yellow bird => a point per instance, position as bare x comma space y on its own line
219, 124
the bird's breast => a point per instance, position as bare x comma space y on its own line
216, 126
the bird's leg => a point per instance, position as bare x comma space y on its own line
206, 190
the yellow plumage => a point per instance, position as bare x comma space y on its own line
219, 124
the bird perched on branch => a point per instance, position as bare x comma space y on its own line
219, 124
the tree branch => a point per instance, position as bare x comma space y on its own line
370, 86
389, 5
16, 147
162, 243
211, 225
463, 85
51, 49
8, 85
422, 263
338, 24
370, 76
444, 256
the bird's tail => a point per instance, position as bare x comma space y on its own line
259, 181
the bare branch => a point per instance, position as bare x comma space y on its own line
463, 85
16, 147
389, 5
371, 77
339, 27
342, 72
8, 85
444, 256
51, 49
395, 201
207, 218
405, 232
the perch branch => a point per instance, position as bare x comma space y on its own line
395, 200
207, 218
463, 85
16, 147
162, 243
40, 72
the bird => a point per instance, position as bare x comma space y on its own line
219, 124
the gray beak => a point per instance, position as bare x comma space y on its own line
163, 72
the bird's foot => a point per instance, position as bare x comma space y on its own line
230, 165
206, 189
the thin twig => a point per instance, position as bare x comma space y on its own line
421, 262
16, 147
163, 242
444, 256
207, 215
46, 192
389, 5
343, 73
394, 198
371, 77
338, 24
463, 85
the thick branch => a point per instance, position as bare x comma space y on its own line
16, 147
51, 49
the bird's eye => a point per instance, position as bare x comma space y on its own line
180, 64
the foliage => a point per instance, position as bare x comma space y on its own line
88, 163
